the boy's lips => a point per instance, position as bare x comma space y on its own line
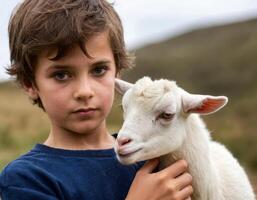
85, 112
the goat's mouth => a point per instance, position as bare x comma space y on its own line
124, 154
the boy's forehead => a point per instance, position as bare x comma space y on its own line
100, 40
95, 50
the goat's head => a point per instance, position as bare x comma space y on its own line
154, 113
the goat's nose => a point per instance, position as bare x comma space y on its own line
123, 141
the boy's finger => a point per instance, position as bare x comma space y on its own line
149, 166
176, 169
183, 181
186, 193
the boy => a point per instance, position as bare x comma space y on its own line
66, 55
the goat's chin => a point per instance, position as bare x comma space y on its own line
131, 159
142, 154
137, 157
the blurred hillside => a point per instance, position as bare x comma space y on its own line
218, 58
218, 61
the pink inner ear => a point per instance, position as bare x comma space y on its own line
208, 105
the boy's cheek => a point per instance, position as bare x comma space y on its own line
108, 95
108, 99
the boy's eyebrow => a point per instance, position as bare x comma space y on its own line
57, 66
101, 62
63, 66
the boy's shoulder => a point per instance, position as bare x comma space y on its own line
18, 171
27, 177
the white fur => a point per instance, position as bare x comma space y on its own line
217, 175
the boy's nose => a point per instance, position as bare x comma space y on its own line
83, 90
123, 141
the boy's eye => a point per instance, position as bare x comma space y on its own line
99, 71
62, 75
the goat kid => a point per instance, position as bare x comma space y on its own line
162, 120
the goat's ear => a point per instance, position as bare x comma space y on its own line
202, 104
122, 86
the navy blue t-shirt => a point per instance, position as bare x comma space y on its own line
47, 173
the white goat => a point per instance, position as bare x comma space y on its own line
161, 120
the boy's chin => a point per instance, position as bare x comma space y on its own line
85, 128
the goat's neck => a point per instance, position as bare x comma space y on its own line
195, 150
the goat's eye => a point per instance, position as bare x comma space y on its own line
166, 116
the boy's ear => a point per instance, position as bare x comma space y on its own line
31, 91
122, 86
202, 104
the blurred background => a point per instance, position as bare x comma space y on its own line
207, 46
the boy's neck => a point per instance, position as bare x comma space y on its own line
97, 139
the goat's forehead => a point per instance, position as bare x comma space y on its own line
149, 93
147, 88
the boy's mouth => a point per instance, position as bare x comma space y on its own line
85, 112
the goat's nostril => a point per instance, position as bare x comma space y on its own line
123, 141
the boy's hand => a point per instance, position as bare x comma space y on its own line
172, 183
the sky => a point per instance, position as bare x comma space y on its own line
149, 21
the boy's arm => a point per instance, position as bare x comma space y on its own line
17, 193
172, 183
22, 181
